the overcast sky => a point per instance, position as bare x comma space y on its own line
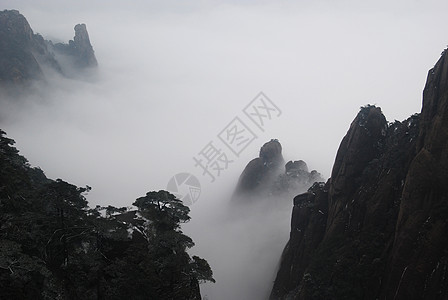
173, 74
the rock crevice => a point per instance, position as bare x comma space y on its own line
378, 228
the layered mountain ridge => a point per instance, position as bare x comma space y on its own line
378, 228
24, 55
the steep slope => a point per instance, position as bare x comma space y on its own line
378, 228
419, 260
79, 48
24, 55
21, 51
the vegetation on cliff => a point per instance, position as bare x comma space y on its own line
54, 246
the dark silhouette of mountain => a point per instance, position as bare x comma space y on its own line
79, 48
261, 170
268, 176
24, 55
378, 229
21, 51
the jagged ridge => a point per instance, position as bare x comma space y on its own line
24, 54
378, 228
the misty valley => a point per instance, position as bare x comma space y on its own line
117, 181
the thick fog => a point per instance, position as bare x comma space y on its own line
173, 74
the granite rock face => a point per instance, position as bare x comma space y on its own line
79, 48
24, 55
267, 176
262, 170
21, 50
378, 229
419, 258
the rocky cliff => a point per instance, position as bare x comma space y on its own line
378, 228
24, 55
267, 176
21, 51
79, 48
262, 169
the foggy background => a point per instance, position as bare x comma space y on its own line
173, 74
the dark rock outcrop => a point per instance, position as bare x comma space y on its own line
21, 51
378, 228
307, 230
268, 176
362, 144
263, 170
295, 179
296, 166
24, 55
79, 48
419, 259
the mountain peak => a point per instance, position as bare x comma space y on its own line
271, 152
79, 48
24, 54
17, 42
267, 176
378, 227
